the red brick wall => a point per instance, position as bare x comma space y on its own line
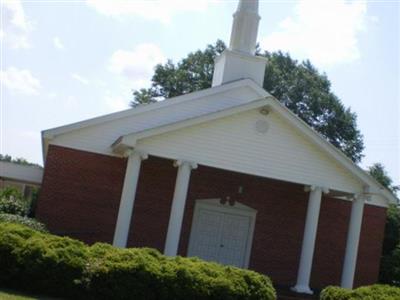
331, 242
152, 204
81, 192
280, 218
370, 248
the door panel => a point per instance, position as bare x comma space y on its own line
220, 237
207, 235
234, 236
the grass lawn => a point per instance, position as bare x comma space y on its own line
12, 295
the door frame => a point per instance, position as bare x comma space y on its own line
236, 209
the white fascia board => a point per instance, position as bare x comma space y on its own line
50, 133
327, 147
131, 139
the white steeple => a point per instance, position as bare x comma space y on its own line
238, 61
245, 27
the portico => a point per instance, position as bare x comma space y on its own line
177, 211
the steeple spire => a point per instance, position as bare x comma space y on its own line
239, 60
245, 27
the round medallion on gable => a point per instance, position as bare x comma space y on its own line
261, 126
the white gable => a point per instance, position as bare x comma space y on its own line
233, 143
98, 135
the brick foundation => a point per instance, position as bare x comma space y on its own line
81, 192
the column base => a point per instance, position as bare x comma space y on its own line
302, 289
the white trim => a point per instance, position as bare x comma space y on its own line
237, 209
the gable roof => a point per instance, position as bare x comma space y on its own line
50, 133
129, 141
215, 110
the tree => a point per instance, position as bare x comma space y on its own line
378, 171
390, 260
299, 86
191, 74
389, 270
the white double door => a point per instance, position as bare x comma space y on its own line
221, 235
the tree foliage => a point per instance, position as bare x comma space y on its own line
191, 74
390, 261
298, 85
378, 171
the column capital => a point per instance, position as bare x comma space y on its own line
179, 162
312, 188
140, 154
361, 197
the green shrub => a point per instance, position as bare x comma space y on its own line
372, 292
12, 201
396, 263
10, 191
146, 274
13, 205
52, 264
12, 238
45, 263
32, 223
39, 262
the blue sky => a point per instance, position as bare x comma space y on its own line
65, 61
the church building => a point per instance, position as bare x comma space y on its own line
227, 174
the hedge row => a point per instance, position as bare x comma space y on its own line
32, 223
60, 266
373, 292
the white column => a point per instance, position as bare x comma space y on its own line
353, 238
178, 207
310, 233
128, 198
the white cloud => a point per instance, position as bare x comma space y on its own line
31, 134
15, 25
116, 103
137, 65
324, 31
58, 44
20, 81
159, 10
80, 78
